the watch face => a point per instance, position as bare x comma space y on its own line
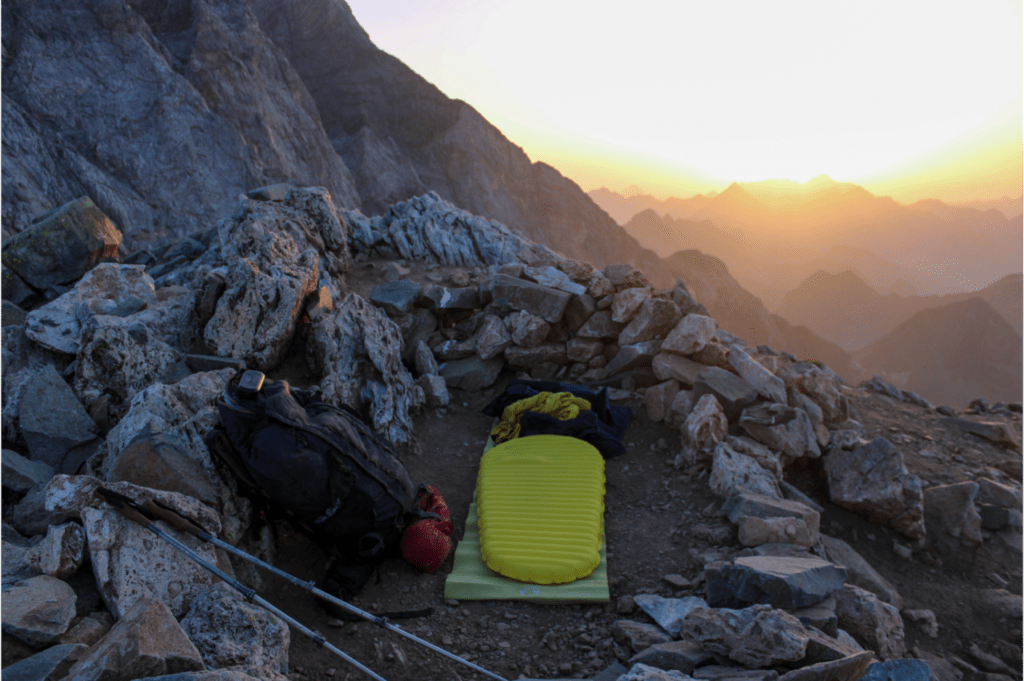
251, 381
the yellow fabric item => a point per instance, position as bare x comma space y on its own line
540, 503
563, 406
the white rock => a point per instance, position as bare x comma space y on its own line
732, 471
876, 624
61, 553
690, 335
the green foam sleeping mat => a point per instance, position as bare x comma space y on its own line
535, 531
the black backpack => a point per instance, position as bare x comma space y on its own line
324, 469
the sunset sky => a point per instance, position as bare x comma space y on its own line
912, 100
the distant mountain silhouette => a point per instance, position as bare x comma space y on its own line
845, 310
1007, 206
951, 354
933, 246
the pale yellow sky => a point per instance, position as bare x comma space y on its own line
909, 99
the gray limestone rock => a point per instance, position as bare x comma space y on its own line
925, 619
583, 349
682, 297
758, 636
492, 338
627, 302
794, 436
577, 271
157, 462
553, 278
542, 301
823, 388
876, 624
801, 401
782, 582
527, 358
759, 378
527, 330
904, 670
472, 373
358, 351
713, 355
642, 672
669, 613
396, 297
62, 246
449, 298
52, 663
732, 471
638, 635
60, 553
1000, 603
146, 641
681, 656
761, 506
872, 480
600, 325
850, 668
21, 474
12, 315
703, 429
950, 509
691, 334
859, 572
435, 390
655, 318
668, 365
632, 356
455, 349
599, 285
821, 616
733, 393
758, 531
108, 289
658, 399
717, 672
993, 431
228, 631
624, 276
765, 458
423, 360
578, 311
998, 494
38, 610
30, 516
680, 408
16, 291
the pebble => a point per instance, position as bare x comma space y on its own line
678, 581
902, 551
451, 601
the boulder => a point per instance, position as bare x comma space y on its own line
801, 401
52, 663
876, 624
358, 351
423, 360
849, 668
713, 355
38, 610
60, 553
122, 357
229, 631
396, 297
492, 338
455, 349
577, 271
583, 349
732, 471
781, 428
62, 246
632, 356
471, 373
435, 390
642, 672
55, 426
760, 379
89, 630
859, 572
599, 285
601, 325
624, 276
30, 516
732, 392
655, 319
21, 474
998, 494
451, 298
765, 458
682, 297
691, 334
925, 619
704, 428
658, 399
681, 656
1000, 602
147, 641
578, 311
821, 616
16, 292
527, 358
668, 365
993, 431
904, 670
745, 503
781, 582
679, 410
638, 635
823, 388
669, 613
157, 462
553, 278
542, 301
527, 330
950, 509
758, 531
872, 480
12, 315
824, 648
627, 302
758, 636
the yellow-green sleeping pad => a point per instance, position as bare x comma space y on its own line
540, 502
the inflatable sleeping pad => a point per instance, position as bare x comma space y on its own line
540, 503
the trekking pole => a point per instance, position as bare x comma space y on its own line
183, 524
132, 511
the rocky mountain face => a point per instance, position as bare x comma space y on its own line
115, 382
951, 354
